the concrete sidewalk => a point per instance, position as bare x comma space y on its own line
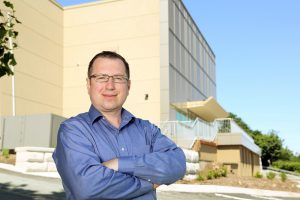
177, 187
225, 189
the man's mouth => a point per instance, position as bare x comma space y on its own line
109, 95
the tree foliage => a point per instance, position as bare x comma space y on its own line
286, 154
271, 144
7, 37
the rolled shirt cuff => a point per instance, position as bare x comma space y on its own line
146, 186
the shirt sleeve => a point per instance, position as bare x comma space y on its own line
84, 176
164, 165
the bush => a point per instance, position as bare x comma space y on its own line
224, 171
5, 153
200, 177
287, 165
217, 173
283, 177
258, 175
271, 175
210, 175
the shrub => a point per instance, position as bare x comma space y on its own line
271, 175
5, 153
283, 176
200, 177
287, 165
223, 171
258, 175
210, 175
216, 173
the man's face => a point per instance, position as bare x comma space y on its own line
108, 96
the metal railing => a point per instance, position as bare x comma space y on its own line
184, 133
283, 171
228, 125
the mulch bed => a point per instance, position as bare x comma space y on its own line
10, 160
249, 182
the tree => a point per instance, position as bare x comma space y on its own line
271, 146
244, 126
7, 35
286, 154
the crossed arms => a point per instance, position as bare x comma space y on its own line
127, 177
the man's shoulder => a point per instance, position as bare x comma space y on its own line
146, 124
141, 121
80, 118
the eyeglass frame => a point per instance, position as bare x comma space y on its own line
107, 77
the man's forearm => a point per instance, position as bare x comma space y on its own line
114, 165
155, 167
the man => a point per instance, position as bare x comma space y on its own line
107, 153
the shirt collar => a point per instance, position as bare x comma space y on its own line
94, 114
126, 117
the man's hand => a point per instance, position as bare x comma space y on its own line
112, 164
155, 186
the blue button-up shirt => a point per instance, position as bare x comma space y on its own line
145, 157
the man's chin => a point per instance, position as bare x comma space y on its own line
111, 108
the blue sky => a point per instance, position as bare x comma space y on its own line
257, 48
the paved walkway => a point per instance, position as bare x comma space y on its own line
16, 185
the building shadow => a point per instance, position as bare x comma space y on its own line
19, 192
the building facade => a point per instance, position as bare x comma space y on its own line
191, 60
173, 70
170, 60
39, 72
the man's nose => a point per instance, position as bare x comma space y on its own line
110, 84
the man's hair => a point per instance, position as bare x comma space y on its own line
111, 55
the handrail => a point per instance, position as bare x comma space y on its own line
184, 133
282, 170
232, 127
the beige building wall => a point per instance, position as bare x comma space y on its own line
129, 27
164, 61
239, 159
57, 43
38, 74
249, 162
230, 157
208, 152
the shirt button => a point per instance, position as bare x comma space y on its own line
149, 180
122, 149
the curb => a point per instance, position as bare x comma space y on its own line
12, 168
224, 189
177, 187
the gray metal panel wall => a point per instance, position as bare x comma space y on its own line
37, 129
29, 130
13, 134
56, 121
1, 131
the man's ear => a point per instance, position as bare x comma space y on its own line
88, 85
129, 84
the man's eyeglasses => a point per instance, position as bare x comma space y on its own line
103, 78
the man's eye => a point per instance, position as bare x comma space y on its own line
118, 78
101, 78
